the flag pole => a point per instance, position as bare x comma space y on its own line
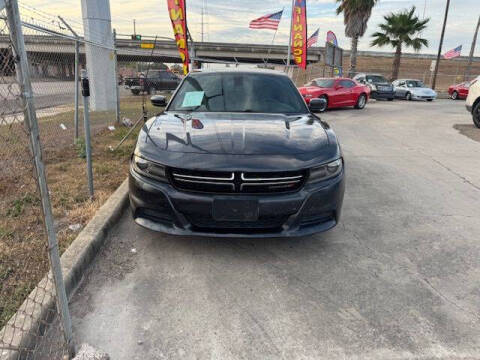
290, 37
273, 39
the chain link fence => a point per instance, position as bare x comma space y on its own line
32, 296
44, 197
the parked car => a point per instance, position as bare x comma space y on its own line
459, 91
380, 87
473, 101
156, 80
412, 89
337, 92
237, 153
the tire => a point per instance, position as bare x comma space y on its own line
361, 102
408, 96
135, 92
152, 90
390, 99
429, 100
476, 114
326, 104
454, 95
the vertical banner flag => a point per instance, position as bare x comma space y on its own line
299, 33
178, 16
331, 38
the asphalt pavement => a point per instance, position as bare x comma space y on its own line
398, 278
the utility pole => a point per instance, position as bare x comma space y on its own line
472, 49
440, 45
134, 29
203, 7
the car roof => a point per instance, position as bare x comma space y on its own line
237, 71
408, 80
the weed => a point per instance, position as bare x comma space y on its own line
81, 148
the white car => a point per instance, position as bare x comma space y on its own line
412, 89
473, 101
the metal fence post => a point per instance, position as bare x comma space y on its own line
31, 124
115, 74
86, 121
77, 60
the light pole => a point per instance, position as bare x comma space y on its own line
472, 49
440, 45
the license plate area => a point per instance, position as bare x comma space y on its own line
235, 210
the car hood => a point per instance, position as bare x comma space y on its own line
236, 133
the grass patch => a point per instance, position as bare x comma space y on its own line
23, 250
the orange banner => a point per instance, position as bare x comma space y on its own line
299, 33
178, 15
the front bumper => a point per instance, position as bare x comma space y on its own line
160, 207
423, 97
469, 108
376, 94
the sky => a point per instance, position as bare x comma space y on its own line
227, 21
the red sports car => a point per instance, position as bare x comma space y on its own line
338, 92
459, 91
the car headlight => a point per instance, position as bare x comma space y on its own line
373, 87
326, 171
149, 168
307, 96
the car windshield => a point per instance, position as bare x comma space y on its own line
376, 79
238, 92
415, 83
324, 83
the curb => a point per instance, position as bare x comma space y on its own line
22, 331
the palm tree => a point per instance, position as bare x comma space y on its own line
355, 17
398, 30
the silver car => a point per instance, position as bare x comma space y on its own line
412, 89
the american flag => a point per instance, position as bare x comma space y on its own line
453, 53
267, 22
312, 39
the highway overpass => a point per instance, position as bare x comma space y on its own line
49, 47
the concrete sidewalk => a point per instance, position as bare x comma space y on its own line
399, 278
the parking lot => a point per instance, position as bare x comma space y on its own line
398, 278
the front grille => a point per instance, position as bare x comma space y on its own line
237, 182
264, 223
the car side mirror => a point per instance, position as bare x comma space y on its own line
158, 100
317, 105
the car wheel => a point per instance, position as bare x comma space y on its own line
430, 100
476, 114
326, 103
390, 99
408, 96
361, 102
454, 95
135, 92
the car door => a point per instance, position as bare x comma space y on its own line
401, 89
345, 92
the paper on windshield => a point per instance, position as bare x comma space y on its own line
193, 98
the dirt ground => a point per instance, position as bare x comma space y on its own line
23, 251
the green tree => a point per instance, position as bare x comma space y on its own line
355, 17
400, 30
